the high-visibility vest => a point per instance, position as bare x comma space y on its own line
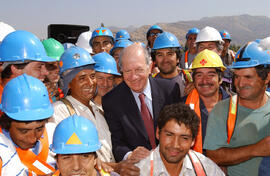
102, 173
57, 173
193, 100
1, 92
186, 60
36, 164
231, 120
196, 163
1, 164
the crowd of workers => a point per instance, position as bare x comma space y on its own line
108, 105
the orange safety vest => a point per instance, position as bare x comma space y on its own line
36, 163
196, 163
102, 173
1, 92
1, 164
185, 71
186, 60
232, 117
57, 173
193, 101
61, 94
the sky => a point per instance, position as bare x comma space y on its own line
36, 15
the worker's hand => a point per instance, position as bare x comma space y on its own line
127, 168
188, 88
102, 165
262, 147
138, 154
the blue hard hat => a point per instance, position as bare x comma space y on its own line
192, 31
26, 98
258, 40
20, 46
67, 45
74, 57
152, 28
102, 31
75, 134
122, 35
166, 40
105, 63
121, 44
251, 55
225, 35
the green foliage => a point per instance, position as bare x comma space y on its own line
234, 47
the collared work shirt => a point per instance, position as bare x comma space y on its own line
187, 168
61, 112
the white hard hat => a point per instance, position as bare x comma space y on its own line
208, 34
83, 41
265, 43
5, 29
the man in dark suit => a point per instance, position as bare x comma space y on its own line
133, 136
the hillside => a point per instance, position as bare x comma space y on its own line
243, 28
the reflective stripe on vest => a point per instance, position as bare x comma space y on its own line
193, 101
154, 75
36, 163
196, 163
1, 164
57, 173
231, 120
187, 75
186, 60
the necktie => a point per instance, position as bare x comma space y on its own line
148, 121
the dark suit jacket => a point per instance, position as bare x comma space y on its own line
124, 119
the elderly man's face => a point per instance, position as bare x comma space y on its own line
135, 69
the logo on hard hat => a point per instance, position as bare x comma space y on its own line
203, 62
61, 64
100, 32
76, 56
224, 34
74, 139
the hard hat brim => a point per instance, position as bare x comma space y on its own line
32, 115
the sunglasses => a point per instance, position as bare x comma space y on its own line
154, 34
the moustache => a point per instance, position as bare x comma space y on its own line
201, 85
245, 87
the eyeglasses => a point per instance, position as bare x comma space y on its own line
154, 34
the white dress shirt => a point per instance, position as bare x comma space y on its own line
61, 112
